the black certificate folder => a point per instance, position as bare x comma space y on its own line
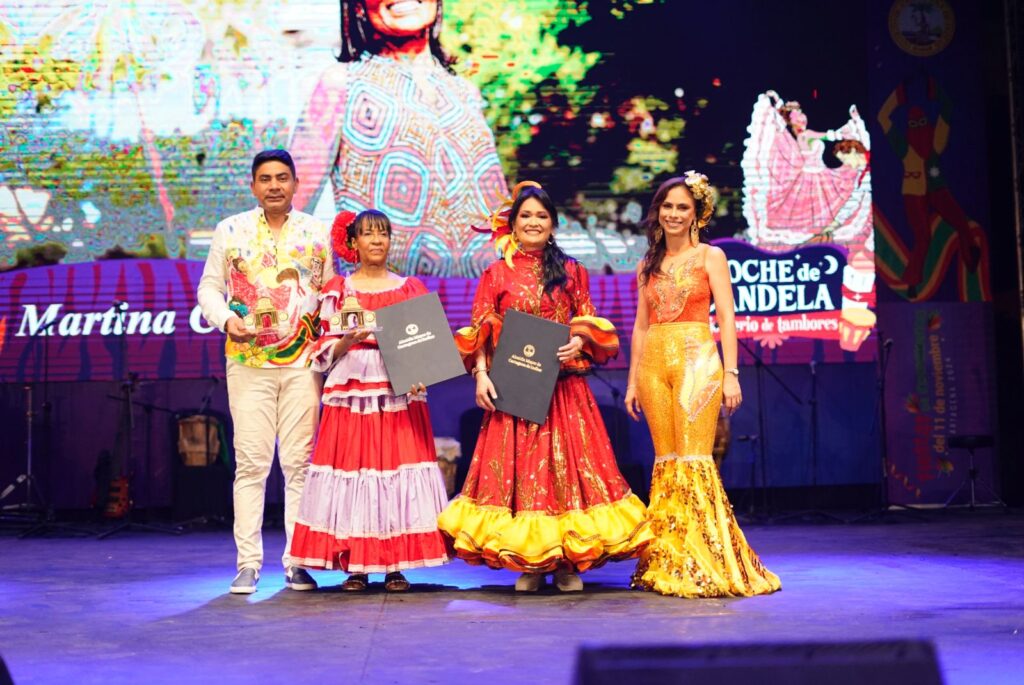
525, 366
416, 343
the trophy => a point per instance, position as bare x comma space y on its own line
264, 321
350, 316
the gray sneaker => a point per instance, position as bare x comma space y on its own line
245, 582
297, 578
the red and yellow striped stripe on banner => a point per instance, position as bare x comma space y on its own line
892, 255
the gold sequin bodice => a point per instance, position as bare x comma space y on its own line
684, 295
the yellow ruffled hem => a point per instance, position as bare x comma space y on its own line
665, 584
700, 550
535, 542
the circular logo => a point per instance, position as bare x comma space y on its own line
412, 329
921, 27
529, 351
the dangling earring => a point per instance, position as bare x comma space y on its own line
694, 234
658, 234
551, 240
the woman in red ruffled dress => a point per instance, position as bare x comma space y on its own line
541, 498
374, 489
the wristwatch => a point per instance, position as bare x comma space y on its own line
735, 372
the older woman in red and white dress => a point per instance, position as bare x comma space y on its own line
374, 488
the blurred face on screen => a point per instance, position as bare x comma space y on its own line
677, 211
798, 120
533, 225
401, 18
273, 186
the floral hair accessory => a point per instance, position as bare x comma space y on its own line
339, 237
701, 190
500, 230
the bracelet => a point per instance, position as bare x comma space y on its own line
476, 370
735, 372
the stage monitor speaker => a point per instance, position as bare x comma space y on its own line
899, 662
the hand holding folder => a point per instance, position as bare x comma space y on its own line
526, 366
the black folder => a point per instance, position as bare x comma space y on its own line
525, 365
416, 342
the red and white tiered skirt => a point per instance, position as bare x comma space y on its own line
374, 489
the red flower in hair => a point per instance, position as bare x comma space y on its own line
339, 237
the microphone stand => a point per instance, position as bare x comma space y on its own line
762, 434
885, 508
814, 511
126, 432
748, 499
617, 397
35, 503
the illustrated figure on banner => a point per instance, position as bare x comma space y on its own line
937, 222
792, 198
395, 129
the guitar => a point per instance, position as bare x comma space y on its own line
117, 501
110, 496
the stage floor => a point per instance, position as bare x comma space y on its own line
143, 608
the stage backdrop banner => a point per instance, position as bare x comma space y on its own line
931, 216
101, 320
939, 384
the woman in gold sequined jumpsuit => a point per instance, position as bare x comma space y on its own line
677, 379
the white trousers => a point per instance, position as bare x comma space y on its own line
268, 406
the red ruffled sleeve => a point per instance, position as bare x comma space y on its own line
600, 341
485, 330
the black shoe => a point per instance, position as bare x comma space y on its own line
245, 582
296, 578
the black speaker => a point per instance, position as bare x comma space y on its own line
5, 675
899, 662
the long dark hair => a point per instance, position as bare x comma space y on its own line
359, 36
656, 244
553, 260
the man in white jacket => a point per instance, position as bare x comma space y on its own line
260, 286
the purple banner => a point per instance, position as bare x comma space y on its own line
939, 384
98, 321
101, 320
